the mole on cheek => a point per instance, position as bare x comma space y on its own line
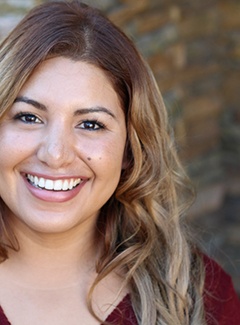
89, 158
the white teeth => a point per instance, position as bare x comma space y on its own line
76, 182
41, 182
56, 185
65, 185
71, 184
49, 184
35, 181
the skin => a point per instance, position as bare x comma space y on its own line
67, 123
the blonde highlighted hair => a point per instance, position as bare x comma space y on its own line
142, 226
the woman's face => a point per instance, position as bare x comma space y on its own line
61, 147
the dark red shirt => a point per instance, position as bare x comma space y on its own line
222, 304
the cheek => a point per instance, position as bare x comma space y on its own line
110, 150
104, 154
13, 146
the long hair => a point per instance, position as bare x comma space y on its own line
142, 226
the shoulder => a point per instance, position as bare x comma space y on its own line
221, 302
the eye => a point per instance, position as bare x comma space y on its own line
28, 118
92, 125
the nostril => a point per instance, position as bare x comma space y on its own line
55, 152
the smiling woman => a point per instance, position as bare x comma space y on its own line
64, 119
93, 196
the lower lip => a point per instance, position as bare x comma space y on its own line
53, 196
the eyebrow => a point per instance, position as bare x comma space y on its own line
80, 111
93, 110
32, 102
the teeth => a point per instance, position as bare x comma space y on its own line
56, 185
49, 184
71, 184
75, 182
65, 185
35, 181
41, 182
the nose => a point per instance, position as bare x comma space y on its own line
56, 149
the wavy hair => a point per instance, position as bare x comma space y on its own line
142, 226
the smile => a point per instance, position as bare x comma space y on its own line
53, 185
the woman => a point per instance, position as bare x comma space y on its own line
92, 192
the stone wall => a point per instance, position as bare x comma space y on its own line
193, 48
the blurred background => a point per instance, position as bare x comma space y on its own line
193, 48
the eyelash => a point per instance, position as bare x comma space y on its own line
93, 125
22, 116
90, 125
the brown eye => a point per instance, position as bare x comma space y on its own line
28, 118
91, 125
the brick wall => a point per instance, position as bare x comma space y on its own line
193, 48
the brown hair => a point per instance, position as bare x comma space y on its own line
142, 225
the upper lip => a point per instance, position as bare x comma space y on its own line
55, 177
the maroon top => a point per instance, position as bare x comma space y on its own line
221, 302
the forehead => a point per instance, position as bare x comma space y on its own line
65, 69
62, 78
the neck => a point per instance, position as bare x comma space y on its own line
53, 260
